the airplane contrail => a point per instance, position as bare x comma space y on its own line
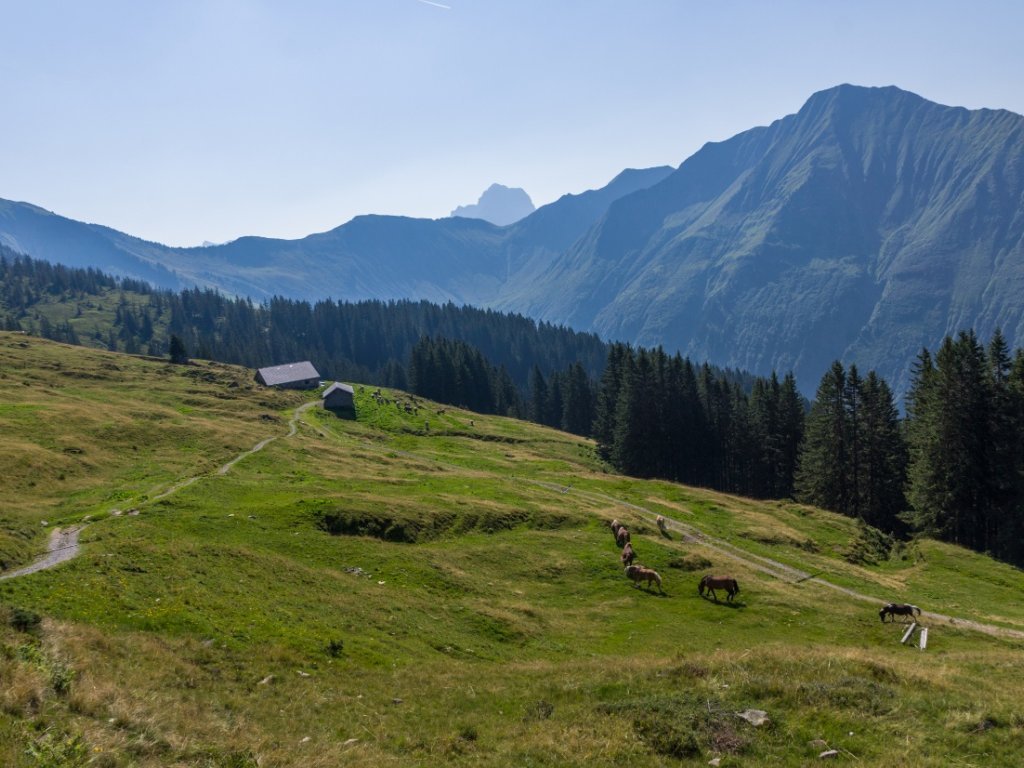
436, 5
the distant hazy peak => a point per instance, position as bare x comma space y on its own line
499, 205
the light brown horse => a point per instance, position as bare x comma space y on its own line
711, 583
638, 573
615, 525
628, 555
622, 537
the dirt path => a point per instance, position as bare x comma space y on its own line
63, 544
293, 426
781, 570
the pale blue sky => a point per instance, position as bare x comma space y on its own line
188, 121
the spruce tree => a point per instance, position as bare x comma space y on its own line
178, 353
823, 471
791, 432
606, 406
882, 456
538, 396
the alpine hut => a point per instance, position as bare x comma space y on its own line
290, 376
339, 397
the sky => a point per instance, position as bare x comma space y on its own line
188, 121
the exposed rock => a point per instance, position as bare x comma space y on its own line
499, 205
754, 716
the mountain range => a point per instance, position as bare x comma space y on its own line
869, 224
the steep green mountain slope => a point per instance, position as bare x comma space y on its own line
869, 224
388, 591
29, 229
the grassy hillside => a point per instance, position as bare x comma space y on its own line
434, 588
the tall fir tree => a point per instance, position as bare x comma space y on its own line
823, 471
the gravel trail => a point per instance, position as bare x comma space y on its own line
63, 544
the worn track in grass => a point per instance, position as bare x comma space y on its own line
63, 544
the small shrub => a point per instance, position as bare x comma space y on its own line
106, 760
335, 648
690, 563
539, 710
682, 725
667, 736
870, 547
58, 750
24, 620
61, 677
468, 733
850, 693
985, 724
690, 670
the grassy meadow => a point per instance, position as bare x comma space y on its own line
437, 587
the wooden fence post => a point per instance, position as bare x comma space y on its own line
908, 633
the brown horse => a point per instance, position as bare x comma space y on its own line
711, 583
638, 573
615, 525
622, 537
628, 555
892, 610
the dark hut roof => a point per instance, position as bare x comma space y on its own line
282, 374
336, 387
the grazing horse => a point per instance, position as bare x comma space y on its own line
628, 555
892, 610
615, 525
622, 537
638, 573
661, 523
711, 583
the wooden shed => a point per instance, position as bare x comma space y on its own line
339, 397
290, 376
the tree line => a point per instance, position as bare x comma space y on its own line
392, 343
952, 469
660, 416
490, 361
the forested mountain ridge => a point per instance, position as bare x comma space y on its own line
490, 361
869, 224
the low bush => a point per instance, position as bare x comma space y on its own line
690, 563
24, 620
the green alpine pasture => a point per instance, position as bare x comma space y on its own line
434, 587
